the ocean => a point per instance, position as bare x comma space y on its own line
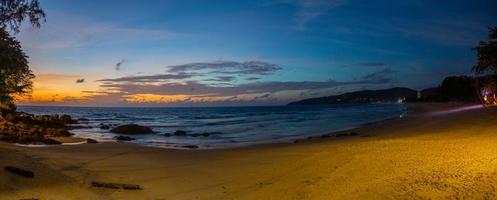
233, 126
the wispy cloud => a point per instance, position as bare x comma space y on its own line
81, 80
308, 10
379, 76
118, 65
228, 67
65, 31
148, 78
366, 64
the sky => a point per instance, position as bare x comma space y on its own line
244, 53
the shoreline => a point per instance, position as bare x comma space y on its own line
416, 157
74, 140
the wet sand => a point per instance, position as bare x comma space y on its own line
445, 155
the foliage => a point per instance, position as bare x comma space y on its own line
487, 54
15, 75
454, 88
14, 12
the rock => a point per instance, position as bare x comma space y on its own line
66, 119
20, 172
104, 127
115, 185
124, 138
51, 141
191, 146
326, 136
131, 129
60, 132
10, 117
180, 133
91, 141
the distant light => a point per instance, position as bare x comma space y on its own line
456, 110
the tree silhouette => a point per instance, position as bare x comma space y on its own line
487, 54
15, 75
14, 12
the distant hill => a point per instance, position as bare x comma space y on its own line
364, 96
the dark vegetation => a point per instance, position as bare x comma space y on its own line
364, 96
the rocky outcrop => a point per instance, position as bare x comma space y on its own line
132, 129
26, 128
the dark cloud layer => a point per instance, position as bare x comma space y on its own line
228, 67
379, 76
196, 88
81, 80
149, 78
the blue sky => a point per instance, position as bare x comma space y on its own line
246, 52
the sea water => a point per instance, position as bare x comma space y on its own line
234, 126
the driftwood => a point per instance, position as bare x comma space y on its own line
115, 185
20, 172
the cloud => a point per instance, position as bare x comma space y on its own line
118, 65
148, 78
252, 78
196, 88
228, 67
222, 79
367, 64
379, 76
81, 80
311, 9
67, 31
308, 10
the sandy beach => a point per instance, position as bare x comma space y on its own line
444, 155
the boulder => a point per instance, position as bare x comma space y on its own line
124, 138
60, 132
190, 146
179, 133
66, 119
131, 129
91, 141
104, 127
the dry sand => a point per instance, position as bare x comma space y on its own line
444, 156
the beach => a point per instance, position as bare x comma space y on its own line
437, 152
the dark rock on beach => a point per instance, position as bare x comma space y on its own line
190, 146
131, 129
124, 138
20, 172
91, 141
24, 128
110, 185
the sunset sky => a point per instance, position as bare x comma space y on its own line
223, 53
